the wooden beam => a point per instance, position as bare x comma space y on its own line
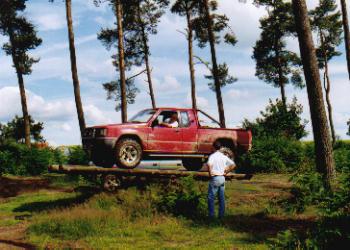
154, 173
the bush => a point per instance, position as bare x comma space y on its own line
332, 230
18, 159
77, 156
277, 155
185, 199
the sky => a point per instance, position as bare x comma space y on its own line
50, 91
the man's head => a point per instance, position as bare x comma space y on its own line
217, 145
174, 117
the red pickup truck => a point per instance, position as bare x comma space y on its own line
147, 136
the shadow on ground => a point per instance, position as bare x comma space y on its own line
258, 226
84, 194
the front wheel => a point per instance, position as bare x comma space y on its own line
128, 153
192, 164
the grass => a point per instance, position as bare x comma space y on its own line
129, 219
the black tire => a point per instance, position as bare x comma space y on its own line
192, 164
128, 153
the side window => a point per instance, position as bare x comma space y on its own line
185, 120
206, 122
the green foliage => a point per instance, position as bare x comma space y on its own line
279, 121
221, 31
17, 159
326, 21
274, 63
274, 154
185, 199
21, 33
77, 156
14, 130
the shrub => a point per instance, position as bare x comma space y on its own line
77, 156
277, 155
185, 199
18, 159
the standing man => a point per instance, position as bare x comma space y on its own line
218, 165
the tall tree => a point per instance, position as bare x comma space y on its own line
141, 20
118, 8
22, 38
132, 54
208, 27
189, 9
346, 32
323, 147
74, 69
326, 21
274, 63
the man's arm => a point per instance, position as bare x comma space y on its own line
210, 167
230, 168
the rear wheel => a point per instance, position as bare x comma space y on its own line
128, 153
192, 164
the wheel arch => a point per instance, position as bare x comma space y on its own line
130, 136
228, 142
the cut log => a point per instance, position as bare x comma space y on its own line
154, 173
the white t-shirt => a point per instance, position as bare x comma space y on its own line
219, 162
174, 124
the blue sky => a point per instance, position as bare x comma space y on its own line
50, 91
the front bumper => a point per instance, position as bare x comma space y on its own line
100, 150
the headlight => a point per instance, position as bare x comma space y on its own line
101, 132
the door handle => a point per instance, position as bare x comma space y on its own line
177, 130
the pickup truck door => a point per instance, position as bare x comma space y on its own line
163, 139
189, 132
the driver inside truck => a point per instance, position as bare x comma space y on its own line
172, 122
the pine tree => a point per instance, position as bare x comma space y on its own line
208, 27
323, 147
274, 63
141, 18
326, 21
126, 90
189, 9
22, 38
74, 68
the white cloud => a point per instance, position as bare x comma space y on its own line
95, 116
50, 21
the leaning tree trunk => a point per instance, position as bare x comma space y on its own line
190, 60
215, 66
323, 147
22, 92
346, 32
146, 55
122, 79
74, 69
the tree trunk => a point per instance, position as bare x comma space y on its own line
190, 60
215, 66
74, 69
122, 79
146, 54
327, 88
346, 32
22, 92
323, 148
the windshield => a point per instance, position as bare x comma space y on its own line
143, 116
